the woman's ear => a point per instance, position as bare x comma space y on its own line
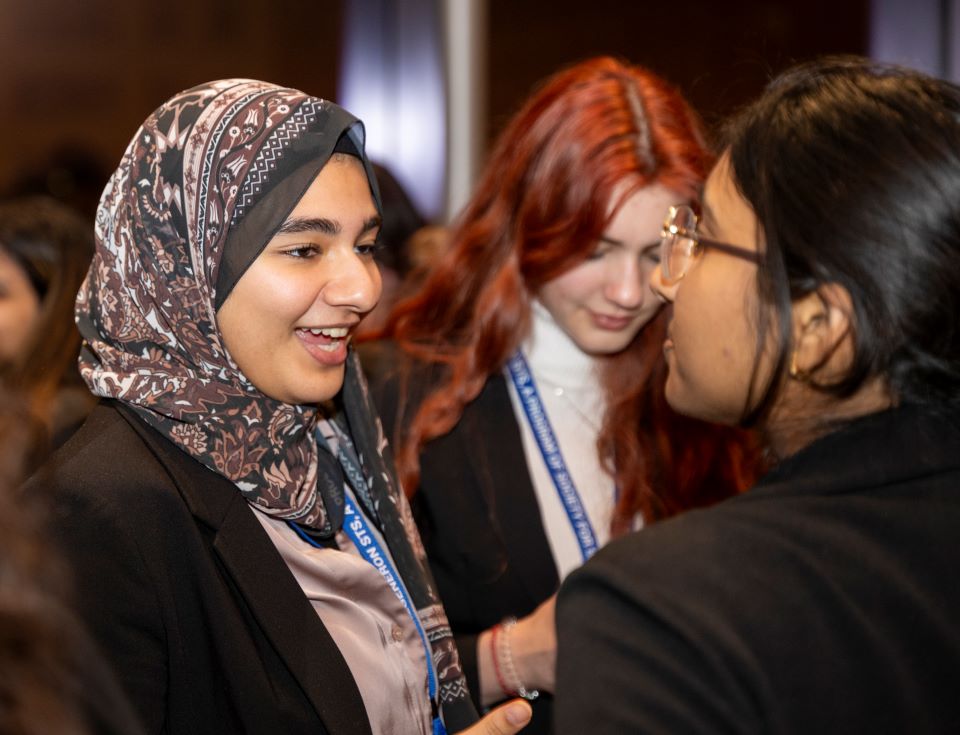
822, 335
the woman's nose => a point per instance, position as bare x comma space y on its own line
659, 288
356, 284
626, 285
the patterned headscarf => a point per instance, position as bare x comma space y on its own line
202, 187
147, 311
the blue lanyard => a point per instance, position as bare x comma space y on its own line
356, 527
552, 457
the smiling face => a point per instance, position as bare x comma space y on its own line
603, 302
711, 349
288, 320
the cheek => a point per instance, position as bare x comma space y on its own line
279, 300
712, 365
288, 302
570, 289
257, 317
18, 316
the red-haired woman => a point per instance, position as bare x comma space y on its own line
528, 420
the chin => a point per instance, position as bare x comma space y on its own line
693, 407
321, 395
677, 400
310, 390
604, 345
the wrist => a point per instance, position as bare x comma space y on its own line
504, 663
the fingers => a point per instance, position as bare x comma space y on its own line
506, 719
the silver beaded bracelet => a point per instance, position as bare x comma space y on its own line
504, 654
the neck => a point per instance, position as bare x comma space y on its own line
804, 414
553, 355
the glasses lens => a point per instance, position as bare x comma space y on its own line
677, 247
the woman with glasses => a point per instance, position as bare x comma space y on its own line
817, 299
528, 418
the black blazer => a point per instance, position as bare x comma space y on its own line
186, 594
479, 519
825, 600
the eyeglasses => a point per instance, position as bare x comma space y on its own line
681, 245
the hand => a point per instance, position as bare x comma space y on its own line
533, 642
506, 719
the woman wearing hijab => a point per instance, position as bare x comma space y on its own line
241, 550
816, 297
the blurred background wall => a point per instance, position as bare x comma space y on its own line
435, 79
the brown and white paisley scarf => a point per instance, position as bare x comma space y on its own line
201, 188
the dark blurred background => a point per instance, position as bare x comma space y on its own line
80, 75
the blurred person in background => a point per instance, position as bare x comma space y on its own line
45, 251
401, 220
527, 409
52, 677
72, 174
817, 298
396, 259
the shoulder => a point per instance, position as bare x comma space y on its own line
107, 471
696, 569
106, 435
689, 614
695, 543
657, 608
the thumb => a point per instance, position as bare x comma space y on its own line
506, 719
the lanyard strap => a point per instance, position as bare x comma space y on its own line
357, 528
552, 457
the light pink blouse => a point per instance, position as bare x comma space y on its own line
370, 626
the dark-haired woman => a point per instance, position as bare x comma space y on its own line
53, 679
816, 297
241, 550
527, 419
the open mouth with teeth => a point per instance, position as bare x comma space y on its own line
328, 345
327, 338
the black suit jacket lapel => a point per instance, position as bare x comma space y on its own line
274, 597
494, 447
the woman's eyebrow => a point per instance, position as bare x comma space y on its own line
620, 243
372, 223
309, 224
323, 225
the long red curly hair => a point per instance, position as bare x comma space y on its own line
597, 130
